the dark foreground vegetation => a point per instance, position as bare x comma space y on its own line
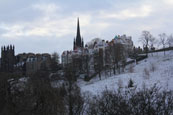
143, 102
37, 96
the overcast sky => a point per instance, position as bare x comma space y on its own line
50, 25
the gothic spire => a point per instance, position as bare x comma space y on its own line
78, 37
78, 29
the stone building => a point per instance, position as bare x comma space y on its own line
126, 41
7, 58
25, 63
96, 55
31, 63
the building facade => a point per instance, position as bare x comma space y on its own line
30, 63
26, 63
97, 54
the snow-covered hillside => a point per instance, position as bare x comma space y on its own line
162, 74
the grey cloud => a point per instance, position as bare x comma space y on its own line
46, 26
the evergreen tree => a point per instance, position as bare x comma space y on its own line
130, 83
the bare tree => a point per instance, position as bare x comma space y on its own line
107, 60
170, 40
152, 41
46, 99
98, 61
145, 39
54, 61
86, 60
56, 57
163, 40
117, 56
73, 98
150, 101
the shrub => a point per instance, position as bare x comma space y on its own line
146, 73
152, 67
143, 102
120, 83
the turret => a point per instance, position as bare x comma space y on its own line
11, 47
8, 48
7, 58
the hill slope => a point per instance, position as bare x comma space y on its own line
162, 75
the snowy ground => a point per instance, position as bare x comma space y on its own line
163, 75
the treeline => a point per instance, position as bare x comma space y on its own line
131, 102
149, 41
37, 96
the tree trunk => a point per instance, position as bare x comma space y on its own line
114, 69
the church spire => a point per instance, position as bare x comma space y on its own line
78, 41
78, 37
78, 29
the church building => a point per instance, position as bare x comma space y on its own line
78, 48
